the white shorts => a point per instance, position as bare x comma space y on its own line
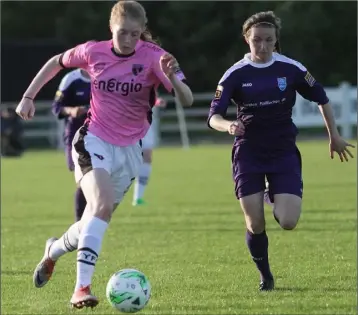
149, 141
122, 163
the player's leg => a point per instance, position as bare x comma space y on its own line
80, 203
122, 180
93, 159
142, 180
80, 200
98, 190
148, 143
85, 164
55, 248
249, 189
287, 187
103, 192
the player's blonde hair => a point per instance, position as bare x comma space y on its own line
266, 19
135, 11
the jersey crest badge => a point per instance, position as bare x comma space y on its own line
136, 69
282, 83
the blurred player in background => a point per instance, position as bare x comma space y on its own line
71, 104
148, 144
125, 74
12, 131
263, 85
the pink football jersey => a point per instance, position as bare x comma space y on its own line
123, 88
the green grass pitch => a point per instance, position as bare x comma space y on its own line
189, 239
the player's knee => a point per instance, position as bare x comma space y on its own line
288, 217
104, 209
287, 210
252, 207
288, 223
255, 225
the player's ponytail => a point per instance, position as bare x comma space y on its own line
146, 36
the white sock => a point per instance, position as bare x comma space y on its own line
67, 243
89, 246
142, 180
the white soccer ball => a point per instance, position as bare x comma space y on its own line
128, 290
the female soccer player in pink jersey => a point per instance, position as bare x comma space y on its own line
125, 72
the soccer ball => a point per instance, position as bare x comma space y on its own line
128, 290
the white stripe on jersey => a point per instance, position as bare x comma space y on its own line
71, 77
283, 58
236, 66
247, 61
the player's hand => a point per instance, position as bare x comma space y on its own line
160, 102
236, 128
78, 111
26, 109
168, 64
338, 145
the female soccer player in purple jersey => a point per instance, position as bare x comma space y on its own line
125, 73
263, 85
71, 104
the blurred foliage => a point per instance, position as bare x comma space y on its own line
204, 36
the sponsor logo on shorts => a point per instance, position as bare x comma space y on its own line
99, 156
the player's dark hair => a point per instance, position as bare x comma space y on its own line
266, 19
135, 11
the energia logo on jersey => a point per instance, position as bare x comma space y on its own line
112, 85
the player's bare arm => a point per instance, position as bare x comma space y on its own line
336, 142
47, 72
26, 108
169, 66
235, 128
182, 91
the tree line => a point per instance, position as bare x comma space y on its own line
204, 36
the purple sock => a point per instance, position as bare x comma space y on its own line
80, 204
258, 247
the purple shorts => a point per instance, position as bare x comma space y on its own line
283, 172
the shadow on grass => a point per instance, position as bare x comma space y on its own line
291, 289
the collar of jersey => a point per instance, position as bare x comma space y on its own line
260, 65
122, 55
83, 77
